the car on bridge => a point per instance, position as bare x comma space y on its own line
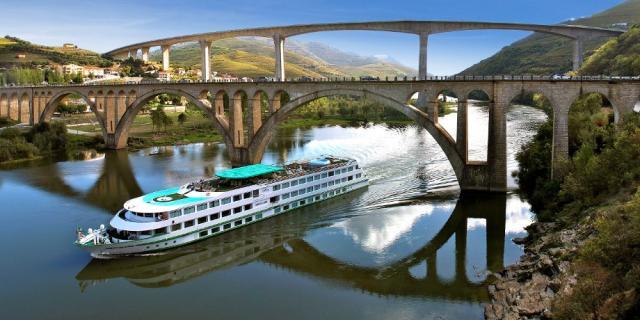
265, 79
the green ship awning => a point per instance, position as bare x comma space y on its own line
253, 170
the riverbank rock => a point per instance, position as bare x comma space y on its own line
526, 290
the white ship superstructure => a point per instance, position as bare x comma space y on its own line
234, 198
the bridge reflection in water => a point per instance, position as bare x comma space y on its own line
280, 242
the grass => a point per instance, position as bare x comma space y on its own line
5, 42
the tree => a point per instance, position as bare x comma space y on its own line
156, 117
182, 118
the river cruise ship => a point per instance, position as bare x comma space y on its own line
232, 199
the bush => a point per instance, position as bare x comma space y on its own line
48, 137
608, 270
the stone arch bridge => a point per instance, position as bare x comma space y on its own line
247, 126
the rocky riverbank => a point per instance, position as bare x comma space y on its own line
527, 290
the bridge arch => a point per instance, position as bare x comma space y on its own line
52, 103
263, 136
124, 123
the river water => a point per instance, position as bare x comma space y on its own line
407, 247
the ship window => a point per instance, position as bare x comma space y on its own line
302, 191
309, 179
249, 219
294, 193
189, 210
189, 223
273, 199
358, 175
259, 216
294, 183
176, 227
146, 232
302, 202
324, 175
316, 177
216, 229
202, 220
285, 196
237, 209
237, 223
344, 189
350, 169
204, 233
357, 166
227, 226
226, 213
160, 231
276, 210
276, 187
148, 215
301, 181
248, 206
175, 213
331, 173
316, 187
344, 170
214, 216
309, 189
344, 180
256, 193
285, 185
350, 178
317, 198
293, 205
202, 206
285, 207
236, 197
331, 183
214, 203
247, 195
226, 200
324, 185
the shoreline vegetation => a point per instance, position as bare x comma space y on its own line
582, 256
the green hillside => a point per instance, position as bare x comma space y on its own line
618, 57
255, 57
547, 54
15, 52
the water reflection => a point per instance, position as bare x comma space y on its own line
281, 242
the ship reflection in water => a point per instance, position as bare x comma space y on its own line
287, 242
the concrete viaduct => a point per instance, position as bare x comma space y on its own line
247, 126
579, 34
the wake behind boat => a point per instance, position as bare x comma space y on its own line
235, 197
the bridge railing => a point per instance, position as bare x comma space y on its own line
352, 79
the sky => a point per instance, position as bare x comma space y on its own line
108, 24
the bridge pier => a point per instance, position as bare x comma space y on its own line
145, 54
205, 64
462, 130
278, 42
422, 63
560, 139
165, 57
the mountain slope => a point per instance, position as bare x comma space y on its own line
620, 56
254, 57
548, 54
15, 52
